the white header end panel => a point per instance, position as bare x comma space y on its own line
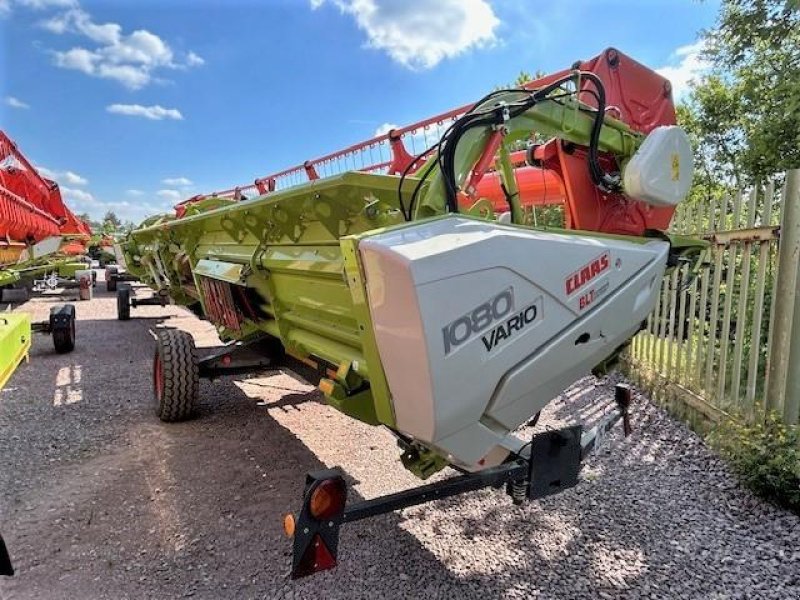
458, 304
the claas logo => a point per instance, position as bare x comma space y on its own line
587, 273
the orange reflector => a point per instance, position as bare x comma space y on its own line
327, 500
341, 373
326, 387
288, 524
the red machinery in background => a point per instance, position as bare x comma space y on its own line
553, 173
31, 208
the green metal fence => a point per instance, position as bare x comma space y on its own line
726, 340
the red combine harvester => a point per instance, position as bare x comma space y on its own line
39, 236
32, 210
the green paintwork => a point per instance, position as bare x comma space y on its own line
40, 267
68, 269
558, 119
296, 252
422, 462
293, 255
15, 341
230, 272
8, 277
15, 328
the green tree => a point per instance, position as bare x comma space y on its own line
745, 115
111, 222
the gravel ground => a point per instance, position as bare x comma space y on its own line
98, 499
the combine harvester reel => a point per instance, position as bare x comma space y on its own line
422, 292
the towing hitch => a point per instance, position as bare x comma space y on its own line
552, 465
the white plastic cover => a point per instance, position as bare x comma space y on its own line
660, 172
479, 325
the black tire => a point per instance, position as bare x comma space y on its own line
124, 302
62, 326
176, 379
111, 279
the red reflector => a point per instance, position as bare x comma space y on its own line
316, 558
328, 498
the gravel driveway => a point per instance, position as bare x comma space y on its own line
98, 499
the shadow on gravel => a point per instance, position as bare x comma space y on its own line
99, 499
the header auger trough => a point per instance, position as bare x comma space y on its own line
421, 290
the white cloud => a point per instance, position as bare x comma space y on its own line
169, 194
16, 102
688, 64
40, 4
68, 177
45, 172
420, 34
77, 58
5, 5
130, 59
154, 113
75, 195
385, 128
74, 178
177, 181
194, 60
81, 201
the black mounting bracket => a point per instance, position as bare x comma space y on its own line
240, 358
551, 465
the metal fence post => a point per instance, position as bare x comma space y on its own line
791, 403
785, 351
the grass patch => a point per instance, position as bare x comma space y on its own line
765, 454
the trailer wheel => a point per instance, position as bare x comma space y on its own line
62, 327
176, 379
111, 279
124, 303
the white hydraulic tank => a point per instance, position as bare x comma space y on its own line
479, 325
660, 171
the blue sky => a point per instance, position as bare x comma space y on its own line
132, 105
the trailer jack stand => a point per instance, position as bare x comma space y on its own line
551, 465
